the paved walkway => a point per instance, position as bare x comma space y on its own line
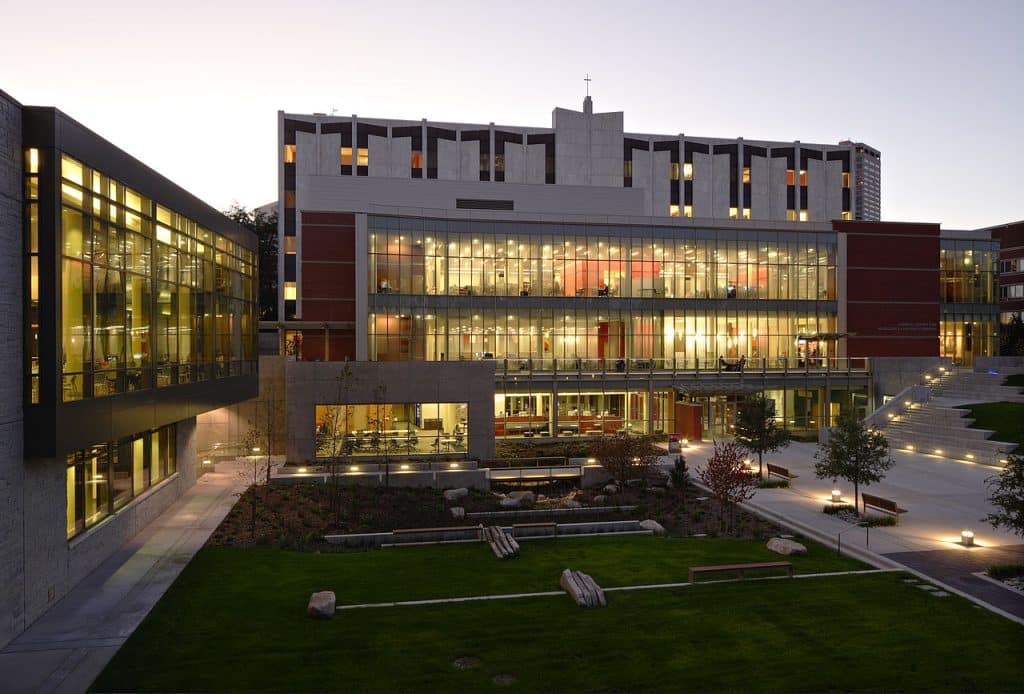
68, 647
942, 497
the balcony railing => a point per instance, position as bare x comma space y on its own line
718, 366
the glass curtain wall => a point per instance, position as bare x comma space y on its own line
391, 428
148, 297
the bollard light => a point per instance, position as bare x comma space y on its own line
207, 462
837, 496
255, 449
302, 469
967, 538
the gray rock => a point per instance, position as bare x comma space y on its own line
611, 489
653, 525
455, 494
466, 662
635, 483
458, 512
600, 499
526, 498
656, 490
571, 503
787, 547
321, 605
510, 502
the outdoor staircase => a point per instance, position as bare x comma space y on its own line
937, 427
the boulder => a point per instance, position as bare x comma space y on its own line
321, 605
656, 490
635, 482
458, 512
611, 489
653, 525
525, 498
455, 494
571, 503
787, 547
510, 502
600, 499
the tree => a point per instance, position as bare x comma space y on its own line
265, 228
626, 456
756, 430
1008, 496
680, 476
726, 476
1011, 337
855, 453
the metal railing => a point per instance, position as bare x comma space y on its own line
718, 365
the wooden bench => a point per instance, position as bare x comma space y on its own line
739, 569
884, 505
780, 471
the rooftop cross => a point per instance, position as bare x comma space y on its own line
588, 81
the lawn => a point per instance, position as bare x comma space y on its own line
234, 621
1014, 380
1006, 419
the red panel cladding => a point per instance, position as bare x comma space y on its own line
887, 228
328, 281
887, 285
329, 309
882, 347
328, 243
892, 252
893, 330
335, 218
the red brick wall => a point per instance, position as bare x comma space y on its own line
892, 289
328, 289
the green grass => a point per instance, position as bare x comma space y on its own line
1014, 380
234, 621
1006, 419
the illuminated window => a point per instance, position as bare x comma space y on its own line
846, 216
803, 177
687, 172
803, 216
289, 291
346, 156
416, 159
674, 171
790, 177
289, 244
673, 210
362, 156
846, 179
790, 215
33, 160
733, 213
627, 168
163, 234
289, 199
71, 170
289, 154
746, 174
687, 210
746, 213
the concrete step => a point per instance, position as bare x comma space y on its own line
949, 443
937, 430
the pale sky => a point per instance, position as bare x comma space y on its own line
193, 88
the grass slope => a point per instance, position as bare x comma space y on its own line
233, 621
1006, 419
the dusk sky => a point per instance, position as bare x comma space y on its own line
193, 88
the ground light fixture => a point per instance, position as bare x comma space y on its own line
207, 462
967, 538
837, 496
255, 449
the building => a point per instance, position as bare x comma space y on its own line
1011, 269
130, 310
548, 277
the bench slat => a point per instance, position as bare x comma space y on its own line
740, 568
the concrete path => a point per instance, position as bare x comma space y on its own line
68, 647
942, 497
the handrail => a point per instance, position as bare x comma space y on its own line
898, 405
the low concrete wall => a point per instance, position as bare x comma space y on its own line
527, 513
469, 533
437, 479
890, 375
986, 364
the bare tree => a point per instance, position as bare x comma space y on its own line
726, 476
626, 456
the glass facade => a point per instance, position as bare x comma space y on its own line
393, 428
103, 478
969, 272
148, 298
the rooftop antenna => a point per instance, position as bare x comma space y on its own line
333, 111
588, 81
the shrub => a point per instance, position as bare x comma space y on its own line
680, 474
837, 509
878, 521
773, 484
1003, 571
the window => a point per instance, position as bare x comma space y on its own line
687, 172
289, 154
362, 156
746, 213
790, 178
416, 159
687, 210
674, 172
627, 168
846, 179
289, 291
673, 210
346, 156
289, 244
746, 174
33, 160
846, 216
733, 213
804, 216
803, 177
289, 199
790, 215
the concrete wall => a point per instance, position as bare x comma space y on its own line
12, 480
312, 383
225, 428
890, 375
